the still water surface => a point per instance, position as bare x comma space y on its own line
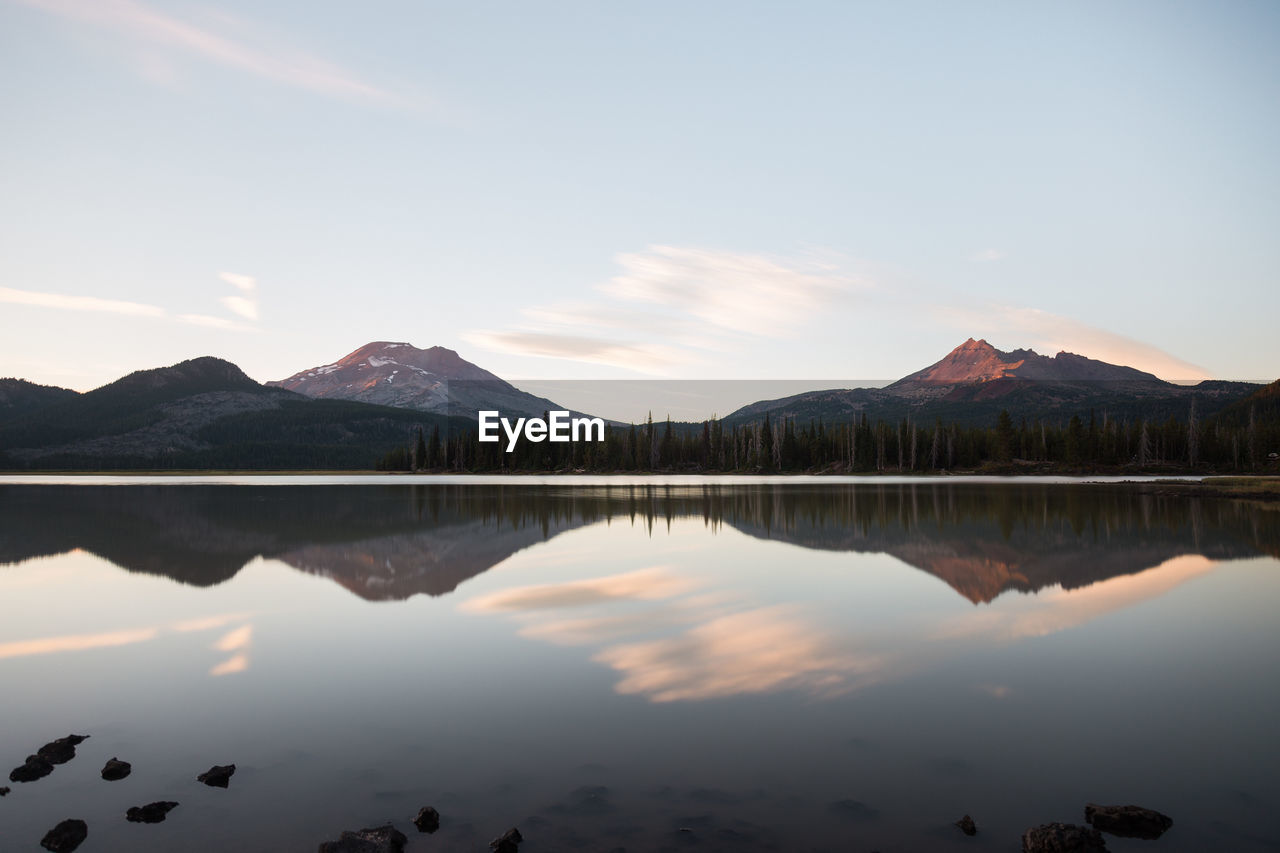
703, 665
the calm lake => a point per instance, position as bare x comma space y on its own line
691, 664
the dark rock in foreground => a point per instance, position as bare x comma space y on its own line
428, 819
151, 812
381, 839
967, 826
507, 842
1062, 838
66, 836
1127, 821
217, 776
34, 768
4, 792
62, 750
115, 770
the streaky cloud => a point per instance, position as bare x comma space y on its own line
280, 63
583, 348
247, 308
749, 293
687, 301
66, 302
211, 322
247, 283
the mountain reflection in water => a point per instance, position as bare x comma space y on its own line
723, 666
389, 542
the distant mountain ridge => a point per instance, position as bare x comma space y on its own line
399, 374
207, 413
975, 381
978, 361
203, 413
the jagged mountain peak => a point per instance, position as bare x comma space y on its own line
977, 361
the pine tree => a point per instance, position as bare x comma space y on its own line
433, 449
420, 452
1004, 436
1251, 438
1075, 439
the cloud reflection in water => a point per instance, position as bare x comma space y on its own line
719, 643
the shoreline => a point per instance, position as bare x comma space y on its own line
1264, 488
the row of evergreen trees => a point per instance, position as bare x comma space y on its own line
1091, 443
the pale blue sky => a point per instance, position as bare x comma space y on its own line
696, 190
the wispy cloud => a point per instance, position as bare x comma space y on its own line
685, 302
592, 350
65, 302
245, 49
741, 292
246, 304
986, 256
211, 322
1049, 333
243, 304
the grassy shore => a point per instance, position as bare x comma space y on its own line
1252, 488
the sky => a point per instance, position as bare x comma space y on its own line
588, 190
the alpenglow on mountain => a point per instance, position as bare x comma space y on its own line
975, 381
978, 361
401, 375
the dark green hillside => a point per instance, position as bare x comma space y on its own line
315, 434
18, 397
979, 406
1263, 404
206, 413
124, 405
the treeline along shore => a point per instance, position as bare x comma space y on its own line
1240, 439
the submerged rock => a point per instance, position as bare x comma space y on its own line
507, 842
428, 819
34, 768
967, 826
62, 750
1062, 838
381, 839
66, 836
218, 776
4, 792
151, 812
1127, 821
115, 770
